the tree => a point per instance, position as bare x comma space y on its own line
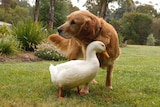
6, 3
43, 10
155, 28
14, 15
12, 11
103, 8
51, 14
36, 10
124, 6
147, 9
136, 27
127, 3
23, 3
60, 13
98, 7
72, 8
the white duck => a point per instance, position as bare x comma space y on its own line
77, 72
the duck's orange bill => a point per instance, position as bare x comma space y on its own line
105, 53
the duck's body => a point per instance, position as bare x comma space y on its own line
74, 74
77, 72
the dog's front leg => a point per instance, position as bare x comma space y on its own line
109, 76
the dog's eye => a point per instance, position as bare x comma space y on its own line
73, 22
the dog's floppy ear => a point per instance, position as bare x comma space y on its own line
89, 28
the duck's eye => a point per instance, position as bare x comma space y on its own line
102, 45
73, 22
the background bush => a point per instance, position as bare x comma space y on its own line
48, 52
8, 44
4, 30
29, 34
151, 40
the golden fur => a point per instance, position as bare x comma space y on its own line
69, 47
81, 28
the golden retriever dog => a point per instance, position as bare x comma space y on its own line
81, 28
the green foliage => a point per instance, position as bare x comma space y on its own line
136, 27
155, 27
135, 83
14, 15
124, 6
60, 13
147, 9
8, 44
4, 31
151, 40
121, 40
48, 52
29, 34
44, 12
95, 6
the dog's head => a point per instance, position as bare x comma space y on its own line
81, 25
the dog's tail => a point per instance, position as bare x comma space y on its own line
69, 47
59, 42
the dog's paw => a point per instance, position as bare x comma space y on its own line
82, 93
94, 82
109, 87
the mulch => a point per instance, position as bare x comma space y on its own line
20, 57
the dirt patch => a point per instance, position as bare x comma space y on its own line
21, 57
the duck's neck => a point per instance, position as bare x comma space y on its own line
91, 55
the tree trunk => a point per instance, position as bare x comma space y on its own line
51, 14
103, 9
36, 11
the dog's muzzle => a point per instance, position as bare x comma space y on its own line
59, 30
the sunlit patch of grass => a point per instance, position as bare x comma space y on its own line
135, 83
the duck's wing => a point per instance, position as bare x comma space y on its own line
70, 64
76, 65
74, 73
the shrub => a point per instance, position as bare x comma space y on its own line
5, 46
8, 44
4, 31
121, 40
151, 40
29, 34
48, 52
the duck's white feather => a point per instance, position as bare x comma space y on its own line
76, 72
73, 73
53, 72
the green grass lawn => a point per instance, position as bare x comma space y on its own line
136, 83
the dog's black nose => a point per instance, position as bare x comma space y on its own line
59, 30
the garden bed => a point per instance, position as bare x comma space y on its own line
21, 57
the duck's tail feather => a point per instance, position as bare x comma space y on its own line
53, 72
52, 68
